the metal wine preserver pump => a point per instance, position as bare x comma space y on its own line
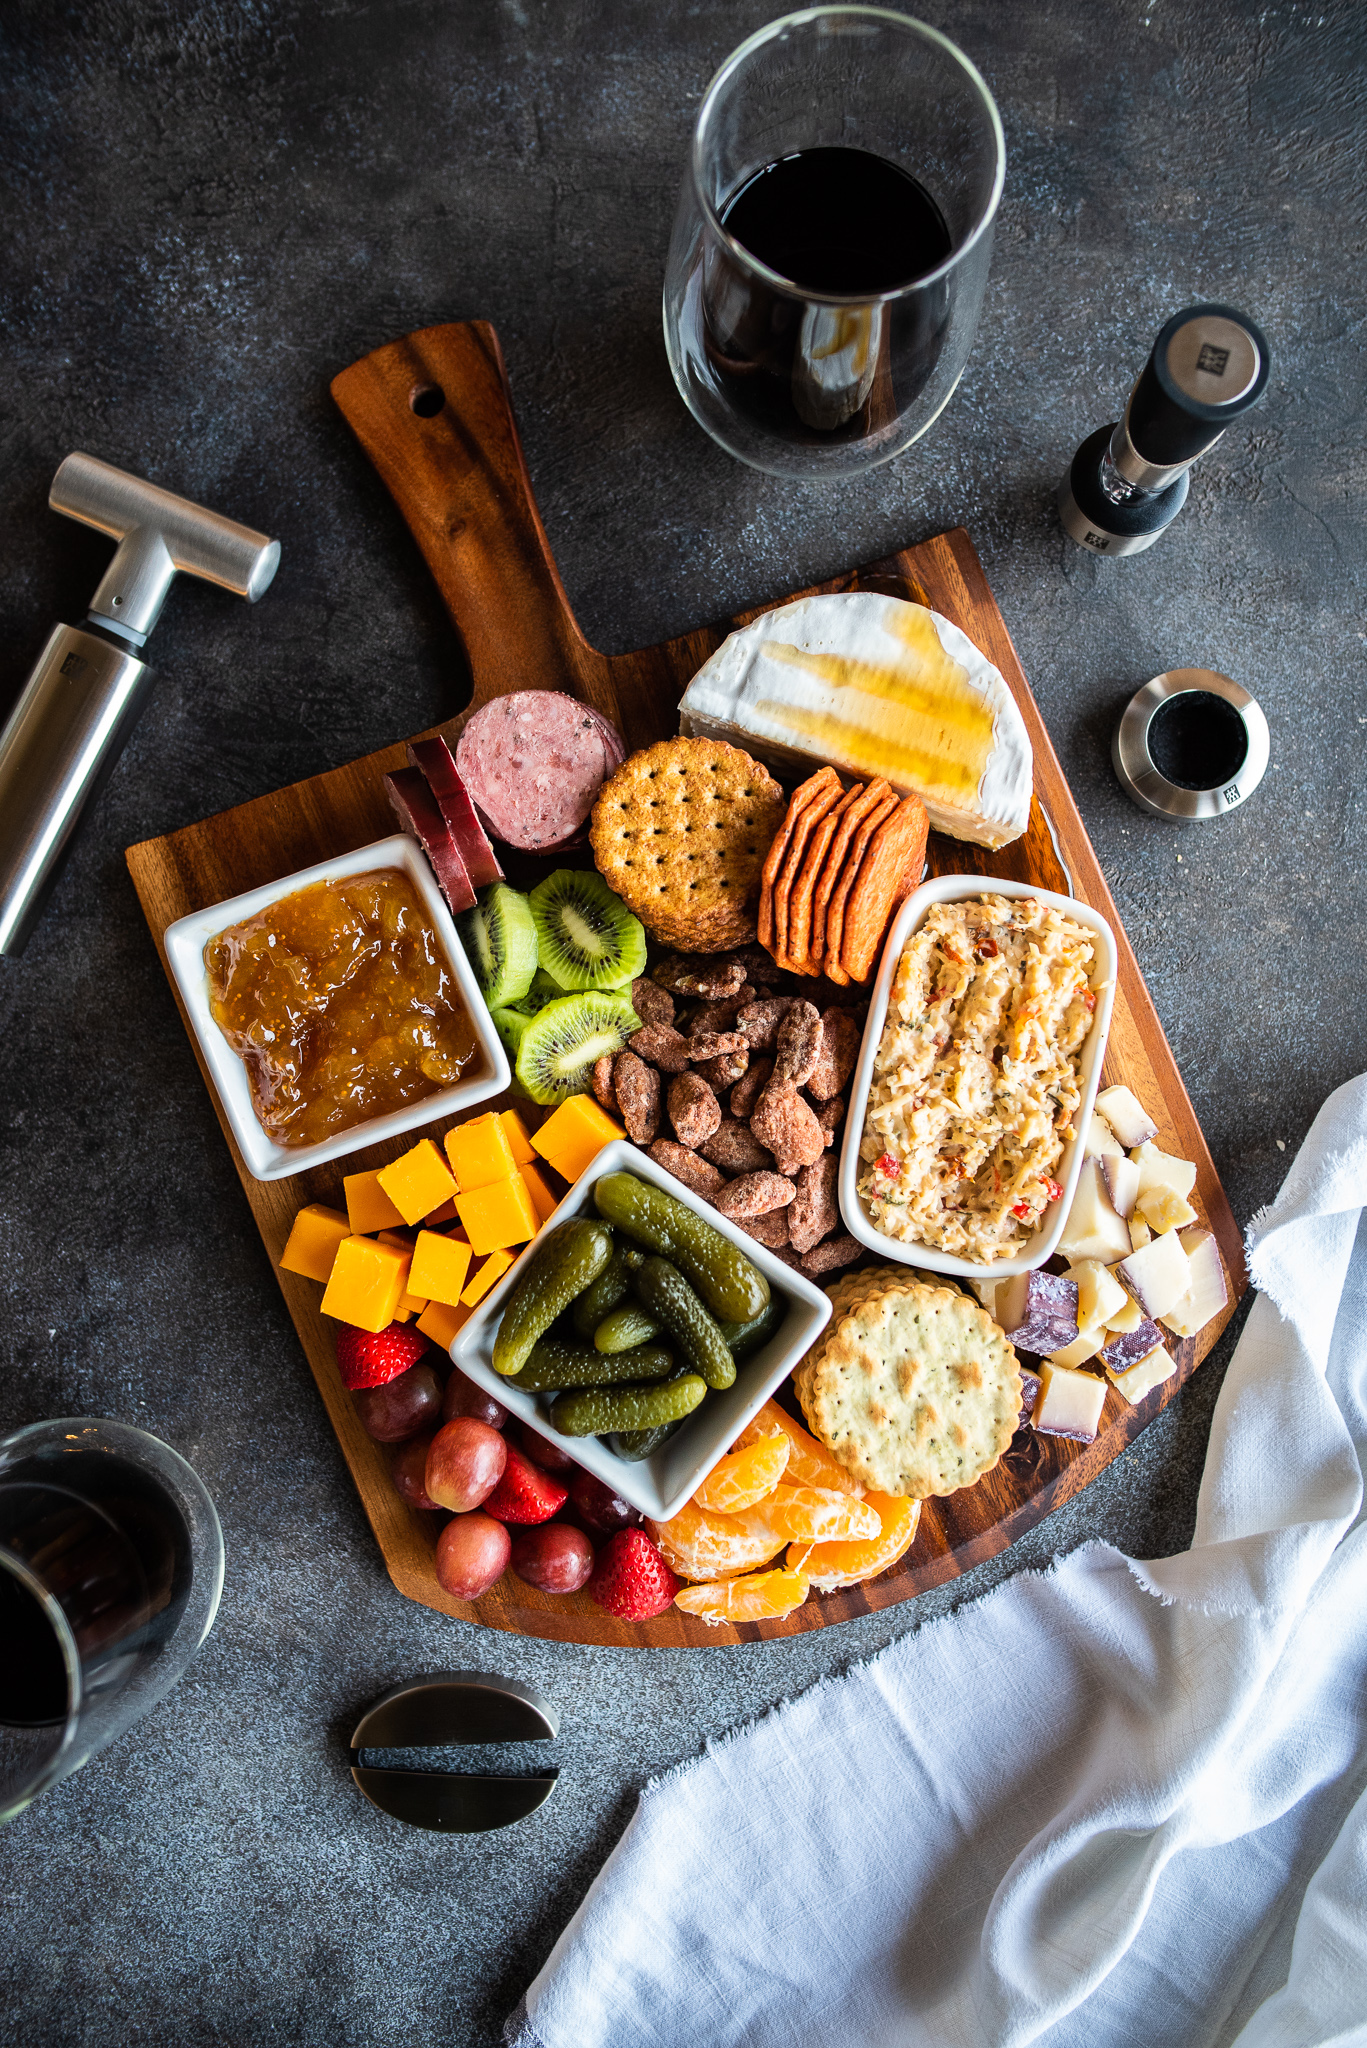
89, 686
1128, 482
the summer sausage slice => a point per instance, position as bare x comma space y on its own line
533, 763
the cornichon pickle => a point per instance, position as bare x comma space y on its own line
554, 1364
664, 1293
635, 1444
743, 1339
625, 1326
562, 1266
607, 1292
731, 1285
599, 1410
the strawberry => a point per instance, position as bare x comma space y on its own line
525, 1493
367, 1358
631, 1578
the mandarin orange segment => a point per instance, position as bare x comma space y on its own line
699, 1545
763, 1596
809, 1462
817, 1514
849, 1563
744, 1477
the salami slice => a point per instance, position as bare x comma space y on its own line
436, 761
417, 810
533, 762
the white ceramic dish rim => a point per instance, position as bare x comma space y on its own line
957, 889
659, 1486
185, 941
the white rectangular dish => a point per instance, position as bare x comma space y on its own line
659, 1486
185, 943
958, 889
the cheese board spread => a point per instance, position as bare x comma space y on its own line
682, 971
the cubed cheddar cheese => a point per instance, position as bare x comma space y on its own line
313, 1240
417, 1182
444, 1213
440, 1321
498, 1215
440, 1268
366, 1283
368, 1207
543, 1201
486, 1276
479, 1153
409, 1304
573, 1136
518, 1141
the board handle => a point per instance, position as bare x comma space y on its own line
434, 413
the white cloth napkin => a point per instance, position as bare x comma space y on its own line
1121, 1802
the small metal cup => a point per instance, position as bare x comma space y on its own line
1223, 732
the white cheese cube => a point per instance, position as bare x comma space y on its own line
986, 1291
1140, 1234
1121, 1176
1207, 1293
1160, 1170
1099, 1140
1132, 1124
1125, 1319
1163, 1210
1099, 1294
1144, 1375
1158, 1276
1093, 1229
1070, 1404
1080, 1350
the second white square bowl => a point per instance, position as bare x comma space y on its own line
959, 889
659, 1486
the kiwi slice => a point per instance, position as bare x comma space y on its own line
500, 943
586, 936
512, 1019
557, 1047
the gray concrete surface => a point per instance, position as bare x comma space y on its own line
210, 209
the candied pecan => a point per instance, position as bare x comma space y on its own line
746, 1092
720, 1016
686, 1166
723, 1071
831, 1116
815, 1210
799, 1044
637, 1088
712, 979
760, 1021
662, 1046
652, 1004
734, 1147
770, 1230
710, 1045
840, 1036
754, 1194
829, 1256
788, 1126
759, 964
694, 1110
602, 1081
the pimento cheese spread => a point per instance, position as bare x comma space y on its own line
976, 1080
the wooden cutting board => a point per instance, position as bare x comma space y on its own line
434, 414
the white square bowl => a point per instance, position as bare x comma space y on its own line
957, 889
185, 943
659, 1486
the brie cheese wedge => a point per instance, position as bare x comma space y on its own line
874, 686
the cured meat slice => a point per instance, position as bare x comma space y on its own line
419, 813
533, 762
436, 761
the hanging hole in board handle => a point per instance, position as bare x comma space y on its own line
427, 401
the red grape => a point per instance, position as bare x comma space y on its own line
463, 1397
550, 1457
601, 1508
409, 1470
472, 1553
553, 1557
401, 1407
465, 1463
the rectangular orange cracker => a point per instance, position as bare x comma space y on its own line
840, 895
816, 810
805, 793
853, 814
800, 927
897, 844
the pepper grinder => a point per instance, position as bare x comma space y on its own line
1129, 481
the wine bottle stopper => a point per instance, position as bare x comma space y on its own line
444, 1708
1128, 482
1191, 745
